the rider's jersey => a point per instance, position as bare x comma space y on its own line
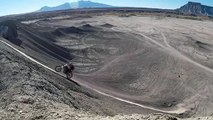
68, 68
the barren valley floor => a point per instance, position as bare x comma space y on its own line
161, 64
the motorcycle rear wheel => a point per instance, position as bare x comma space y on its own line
58, 68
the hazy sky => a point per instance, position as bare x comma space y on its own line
22, 6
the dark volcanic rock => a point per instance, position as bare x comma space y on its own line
70, 30
57, 32
88, 28
107, 25
74, 30
194, 8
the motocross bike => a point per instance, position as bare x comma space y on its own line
69, 74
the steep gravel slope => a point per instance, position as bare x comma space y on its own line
28, 91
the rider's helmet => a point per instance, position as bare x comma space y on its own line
71, 66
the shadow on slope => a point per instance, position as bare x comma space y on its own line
204, 46
32, 41
8, 30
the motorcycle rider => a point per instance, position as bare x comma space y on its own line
68, 68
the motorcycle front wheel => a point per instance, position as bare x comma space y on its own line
69, 75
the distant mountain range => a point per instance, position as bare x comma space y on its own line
195, 8
192, 8
74, 5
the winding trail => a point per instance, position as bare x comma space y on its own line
178, 111
183, 56
167, 47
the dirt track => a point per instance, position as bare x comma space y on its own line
182, 66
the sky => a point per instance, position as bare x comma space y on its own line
8, 7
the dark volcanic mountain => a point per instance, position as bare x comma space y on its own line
195, 8
79, 4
